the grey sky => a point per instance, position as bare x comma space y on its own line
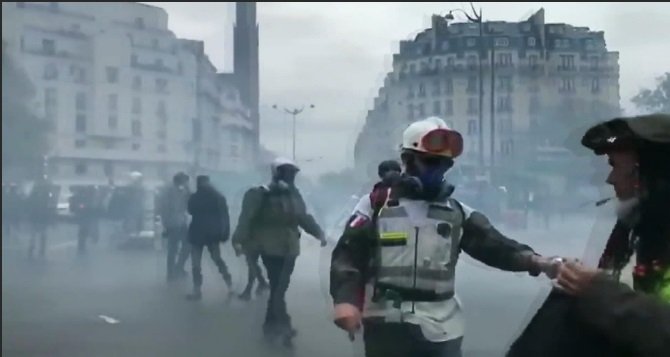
335, 56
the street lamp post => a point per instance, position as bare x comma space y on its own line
294, 113
478, 19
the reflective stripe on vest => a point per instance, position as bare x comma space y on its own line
419, 255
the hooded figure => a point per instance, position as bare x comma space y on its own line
210, 226
594, 314
269, 226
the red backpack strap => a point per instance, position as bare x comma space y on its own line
378, 198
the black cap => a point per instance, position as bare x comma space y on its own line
622, 133
180, 177
202, 180
386, 166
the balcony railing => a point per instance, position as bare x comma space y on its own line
537, 69
562, 68
172, 50
152, 67
428, 72
56, 54
596, 69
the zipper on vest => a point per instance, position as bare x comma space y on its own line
416, 258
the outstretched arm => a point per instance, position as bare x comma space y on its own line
307, 222
482, 241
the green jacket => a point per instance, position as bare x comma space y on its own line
270, 221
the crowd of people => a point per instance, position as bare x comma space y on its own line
393, 269
35, 209
268, 229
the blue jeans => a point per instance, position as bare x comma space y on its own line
405, 340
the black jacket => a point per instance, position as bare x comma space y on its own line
210, 221
636, 320
609, 319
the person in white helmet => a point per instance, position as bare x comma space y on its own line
269, 225
393, 269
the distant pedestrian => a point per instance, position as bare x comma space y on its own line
276, 233
173, 211
210, 226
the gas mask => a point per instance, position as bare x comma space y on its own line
284, 177
432, 180
424, 176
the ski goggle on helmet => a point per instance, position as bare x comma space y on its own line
432, 136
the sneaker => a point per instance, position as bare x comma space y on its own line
287, 339
195, 296
262, 288
228, 280
245, 296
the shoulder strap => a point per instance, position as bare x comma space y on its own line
264, 189
378, 199
454, 202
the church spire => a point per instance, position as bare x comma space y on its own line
245, 61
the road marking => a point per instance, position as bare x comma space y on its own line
109, 320
70, 243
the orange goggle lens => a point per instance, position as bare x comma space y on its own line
443, 141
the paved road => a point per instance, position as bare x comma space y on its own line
53, 308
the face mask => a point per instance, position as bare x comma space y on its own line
286, 175
432, 180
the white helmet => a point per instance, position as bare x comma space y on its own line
432, 136
280, 161
135, 177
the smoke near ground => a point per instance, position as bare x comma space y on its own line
112, 302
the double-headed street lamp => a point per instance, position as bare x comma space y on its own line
294, 112
478, 19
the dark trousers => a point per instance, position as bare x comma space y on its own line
178, 249
254, 272
279, 269
88, 229
196, 262
10, 227
133, 224
38, 231
405, 340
